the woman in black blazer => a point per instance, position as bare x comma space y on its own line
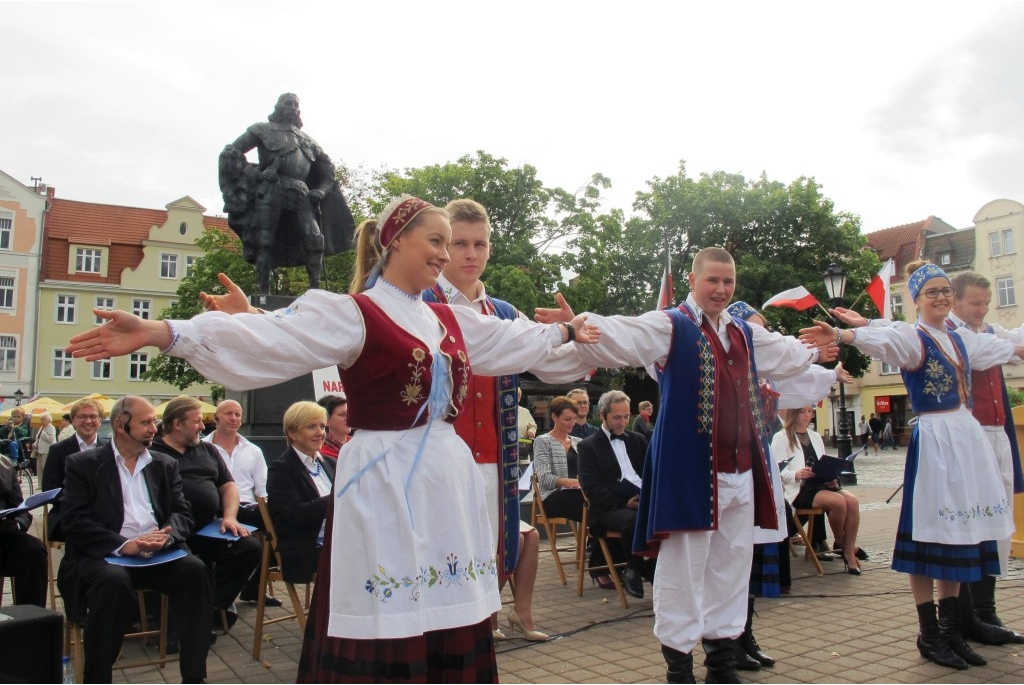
299, 486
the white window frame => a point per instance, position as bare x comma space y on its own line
88, 260
8, 293
63, 358
190, 264
6, 231
896, 303
8, 353
142, 308
101, 370
168, 265
138, 362
67, 309
945, 258
887, 369
107, 304
1001, 242
1005, 292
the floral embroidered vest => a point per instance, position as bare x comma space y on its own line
390, 381
939, 383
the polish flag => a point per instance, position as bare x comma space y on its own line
666, 294
795, 298
879, 288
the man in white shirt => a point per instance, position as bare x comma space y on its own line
244, 459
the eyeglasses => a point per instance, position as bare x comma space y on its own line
86, 417
933, 293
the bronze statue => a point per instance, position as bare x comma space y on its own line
288, 208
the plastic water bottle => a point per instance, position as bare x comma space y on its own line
69, 674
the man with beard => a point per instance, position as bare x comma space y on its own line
210, 489
289, 200
121, 500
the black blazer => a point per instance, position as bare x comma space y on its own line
298, 510
93, 510
53, 477
599, 469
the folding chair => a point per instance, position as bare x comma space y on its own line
539, 518
270, 572
806, 535
73, 640
50, 545
612, 568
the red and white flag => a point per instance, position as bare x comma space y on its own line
879, 289
666, 294
795, 298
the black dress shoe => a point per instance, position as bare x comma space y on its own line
267, 601
634, 583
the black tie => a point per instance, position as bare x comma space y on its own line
621, 436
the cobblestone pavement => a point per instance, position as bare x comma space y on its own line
837, 628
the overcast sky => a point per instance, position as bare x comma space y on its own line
900, 110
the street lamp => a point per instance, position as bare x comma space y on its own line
835, 285
18, 397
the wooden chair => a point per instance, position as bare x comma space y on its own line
73, 640
270, 572
539, 518
50, 545
806, 535
612, 568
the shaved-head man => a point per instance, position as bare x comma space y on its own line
244, 459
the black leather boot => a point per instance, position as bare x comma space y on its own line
745, 662
749, 643
720, 659
949, 628
930, 642
974, 628
680, 665
983, 595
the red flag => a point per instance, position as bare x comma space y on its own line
879, 288
666, 294
795, 298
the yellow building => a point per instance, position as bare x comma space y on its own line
111, 257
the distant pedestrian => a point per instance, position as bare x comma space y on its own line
864, 431
876, 431
887, 436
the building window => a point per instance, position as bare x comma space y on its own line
61, 364
137, 364
6, 292
101, 370
897, 304
6, 228
1004, 290
66, 308
190, 265
888, 370
87, 260
106, 303
1001, 242
183, 228
8, 353
945, 258
142, 308
168, 265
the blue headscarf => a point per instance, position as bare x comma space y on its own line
922, 276
741, 310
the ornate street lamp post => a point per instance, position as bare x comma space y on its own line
835, 286
18, 397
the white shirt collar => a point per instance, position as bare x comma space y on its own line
724, 319
455, 296
960, 323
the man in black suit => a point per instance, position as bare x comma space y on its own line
121, 500
86, 417
611, 462
22, 556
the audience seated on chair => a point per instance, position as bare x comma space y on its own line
85, 417
211, 491
611, 464
22, 556
122, 500
299, 485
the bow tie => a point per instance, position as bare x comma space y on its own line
621, 436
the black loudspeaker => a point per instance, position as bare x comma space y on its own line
33, 643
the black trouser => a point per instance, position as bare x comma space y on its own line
109, 593
233, 563
23, 558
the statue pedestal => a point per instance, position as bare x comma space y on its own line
264, 408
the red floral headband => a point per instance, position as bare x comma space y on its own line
397, 215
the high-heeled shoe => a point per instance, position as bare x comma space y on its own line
532, 635
497, 634
851, 571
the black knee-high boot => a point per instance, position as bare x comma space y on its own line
974, 628
930, 641
680, 665
983, 595
949, 628
748, 642
720, 659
